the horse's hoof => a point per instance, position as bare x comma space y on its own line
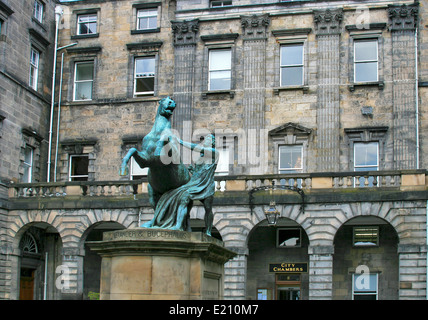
146, 225
123, 171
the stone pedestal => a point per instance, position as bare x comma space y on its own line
150, 264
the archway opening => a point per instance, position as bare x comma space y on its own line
40, 254
92, 260
198, 225
277, 262
365, 261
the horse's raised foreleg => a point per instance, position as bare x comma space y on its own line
139, 158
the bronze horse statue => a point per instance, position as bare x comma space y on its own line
166, 171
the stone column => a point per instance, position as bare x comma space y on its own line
320, 272
403, 23
72, 271
412, 271
235, 275
184, 54
327, 28
254, 84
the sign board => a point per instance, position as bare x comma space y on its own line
288, 267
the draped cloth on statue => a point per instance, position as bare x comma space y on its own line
200, 187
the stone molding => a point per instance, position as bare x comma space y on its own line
327, 22
185, 31
255, 26
404, 17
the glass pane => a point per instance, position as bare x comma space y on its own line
84, 71
83, 28
366, 154
290, 157
79, 166
223, 162
292, 76
28, 155
152, 23
220, 60
366, 51
220, 80
148, 12
365, 283
34, 58
292, 55
26, 177
366, 236
145, 67
144, 84
92, 27
83, 91
33, 77
366, 71
288, 237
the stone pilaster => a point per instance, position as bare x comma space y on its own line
184, 54
327, 26
412, 272
402, 24
71, 284
320, 272
254, 66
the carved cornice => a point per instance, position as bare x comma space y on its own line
185, 31
327, 22
255, 26
404, 17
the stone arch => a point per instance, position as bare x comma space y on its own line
377, 254
290, 212
94, 217
21, 221
393, 213
265, 247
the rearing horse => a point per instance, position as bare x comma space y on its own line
162, 175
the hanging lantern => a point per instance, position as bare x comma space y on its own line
272, 214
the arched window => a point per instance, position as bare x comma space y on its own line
28, 244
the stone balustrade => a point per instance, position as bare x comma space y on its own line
403, 180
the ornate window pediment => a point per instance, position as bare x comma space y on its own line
290, 133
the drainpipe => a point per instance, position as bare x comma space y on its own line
58, 14
45, 285
59, 106
417, 98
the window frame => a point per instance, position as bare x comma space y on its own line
223, 163
28, 166
297, 245
282, 67
144, 93
221, 3
366, 167
217, 70
149, 9
78, 24
70, 165
365, 293
75, 82
360, 40
290, 170
39, 9
134, 168
361, 227
34, 68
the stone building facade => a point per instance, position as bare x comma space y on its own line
326, 98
